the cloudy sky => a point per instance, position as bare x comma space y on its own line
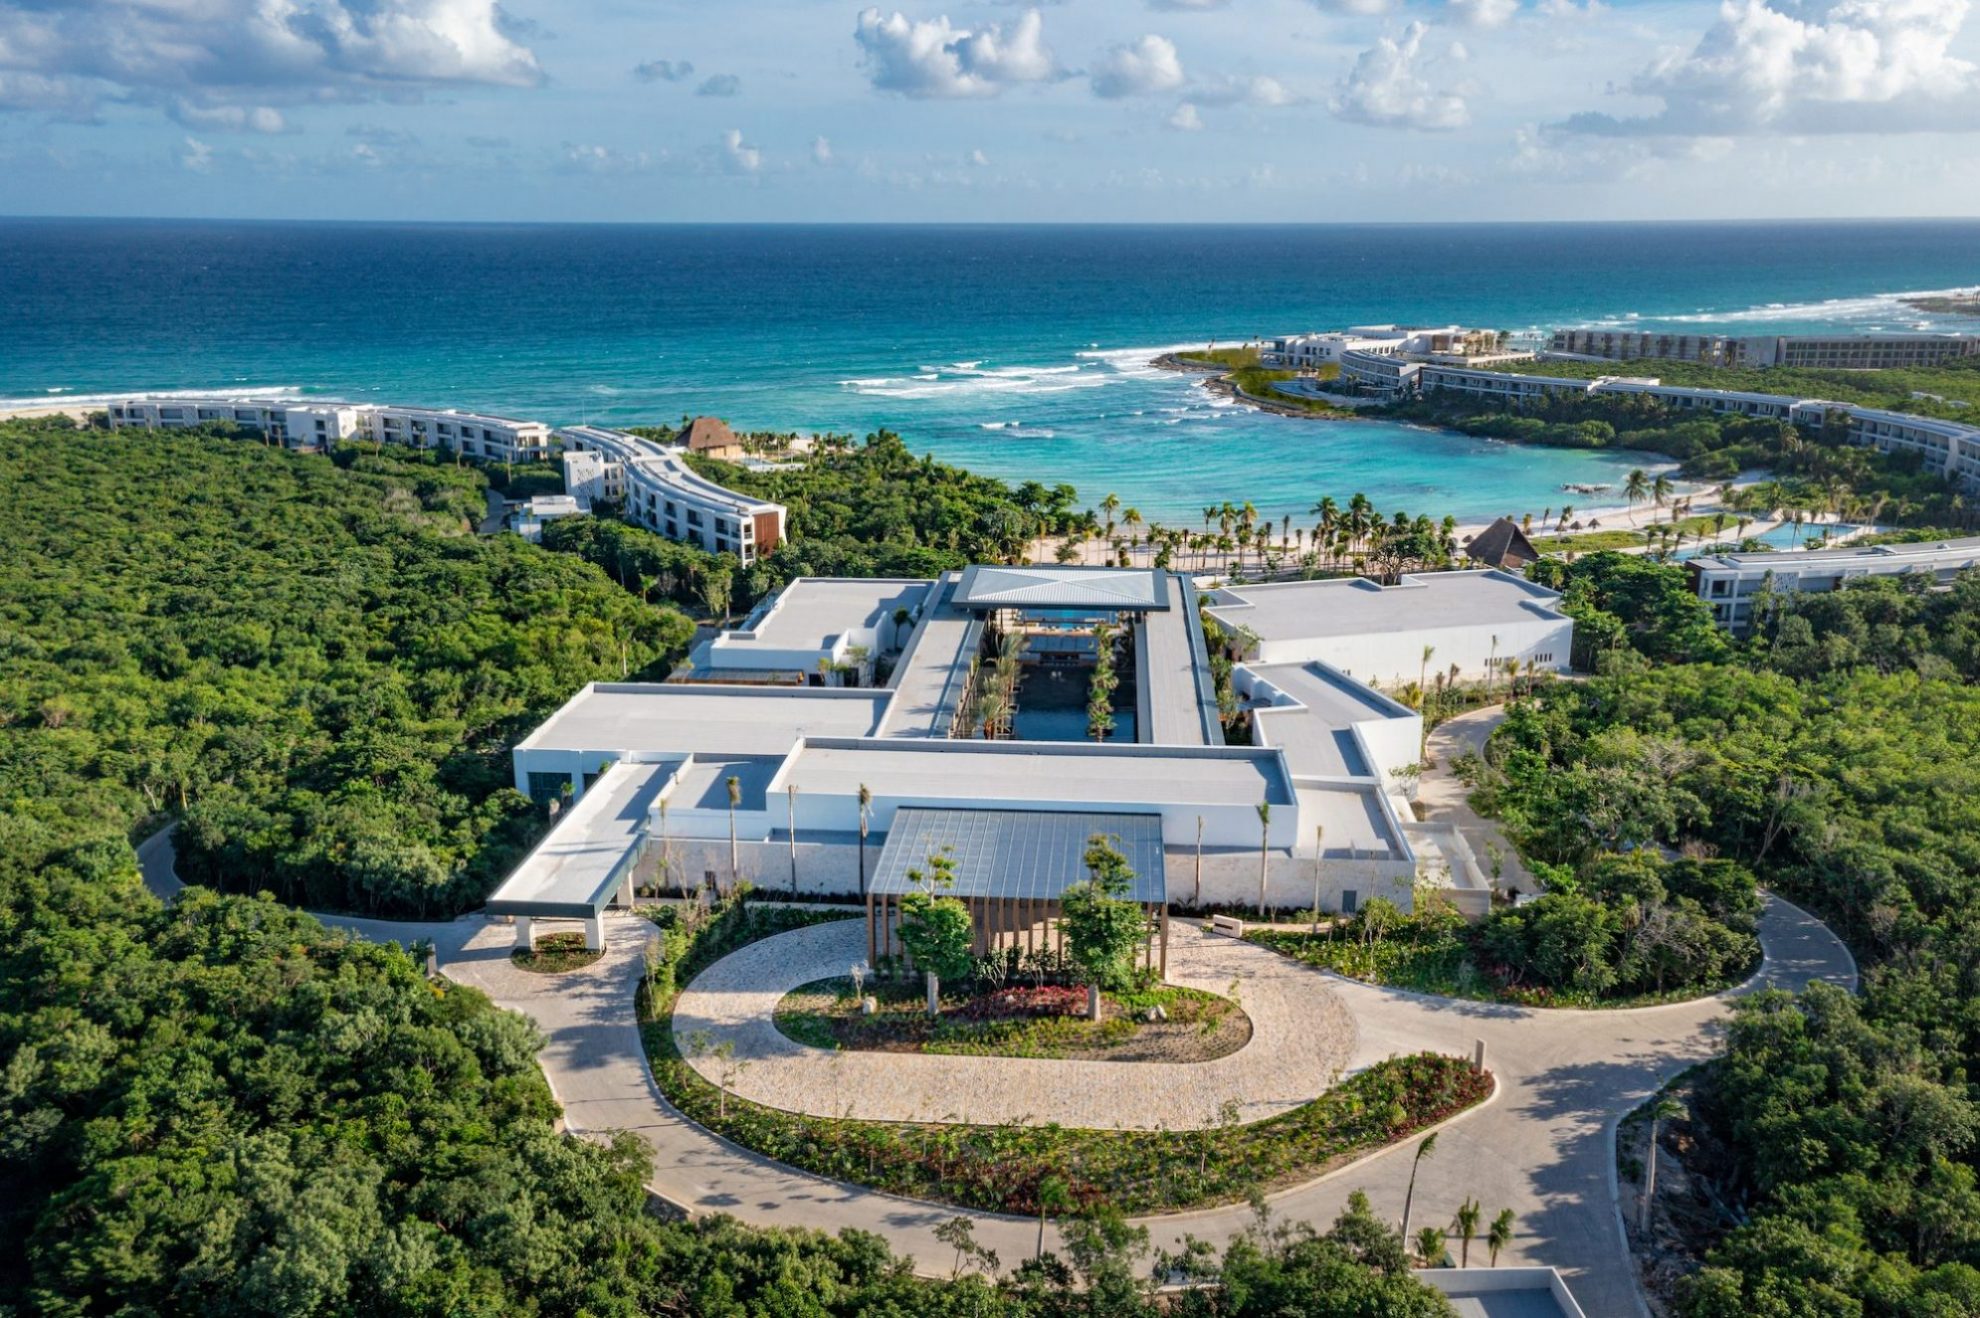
978, 110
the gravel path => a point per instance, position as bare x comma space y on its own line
1301, 1038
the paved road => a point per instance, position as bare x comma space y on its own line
1447, 800
1542, 1147
1302, 1036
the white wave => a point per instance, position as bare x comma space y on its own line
235, 391
1865, 311
995, 425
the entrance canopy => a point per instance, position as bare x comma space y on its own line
1018, 855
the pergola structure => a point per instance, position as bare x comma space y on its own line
1011, 869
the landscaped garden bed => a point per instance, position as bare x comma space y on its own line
1022, 1021
1002, 1168
1441, 954
556, 953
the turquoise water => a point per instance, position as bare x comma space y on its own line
1014, 350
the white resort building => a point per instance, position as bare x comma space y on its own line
655, 488
1482, 623
661, 777
1950, 449
650, 481
1731, 583
1861, 352
306, 424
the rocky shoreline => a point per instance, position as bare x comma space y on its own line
1220, 382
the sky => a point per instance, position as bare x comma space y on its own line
975, 110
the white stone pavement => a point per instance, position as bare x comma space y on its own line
1301, 1037
1544, 1147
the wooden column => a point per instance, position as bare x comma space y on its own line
871, 956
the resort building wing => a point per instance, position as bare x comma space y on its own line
1479, 622
984, 730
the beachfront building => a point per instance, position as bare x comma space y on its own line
1733, 583
1822, 351
1947, 448
309, 424
833, 789
653, 486
1481, 622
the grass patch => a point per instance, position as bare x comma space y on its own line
999, 1168
1048, 1022
556, 953
1589, 541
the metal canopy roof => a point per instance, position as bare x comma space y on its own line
1025, 854
1098, 588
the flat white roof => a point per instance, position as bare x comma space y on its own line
1356, 606
1316, 732
928, 676
1063, 775
1870, 557
690, 718
569, 871
813, 612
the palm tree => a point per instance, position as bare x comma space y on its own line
1319, 848
1660, 489
1423, 1150
865, 817
1430, 1247
1466, 1227
1131, 519
735, 858
1500, 1235
1110, 505
1664, 1109
1264, 842
1636, 486
1053, 1197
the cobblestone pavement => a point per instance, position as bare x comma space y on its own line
1301, 1038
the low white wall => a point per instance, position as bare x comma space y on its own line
1392, 658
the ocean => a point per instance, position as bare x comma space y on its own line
1018, 351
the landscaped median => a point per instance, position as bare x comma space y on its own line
1001, 1168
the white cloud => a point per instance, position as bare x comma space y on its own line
821, 151
173, 54
930, 58
1141, 68
198, 156
977, 157
721, 84
738, 156
591, 158
1188, 5
1484, 13
663, 70
1835, 66
229, 118
1387, 88
1357, 6
1186, 119
1242, 90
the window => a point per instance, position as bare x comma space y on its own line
1350, 900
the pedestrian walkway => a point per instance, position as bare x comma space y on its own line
1301, 1038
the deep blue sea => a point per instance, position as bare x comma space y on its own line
1014, 350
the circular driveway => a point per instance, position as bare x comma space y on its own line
1302, 1036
